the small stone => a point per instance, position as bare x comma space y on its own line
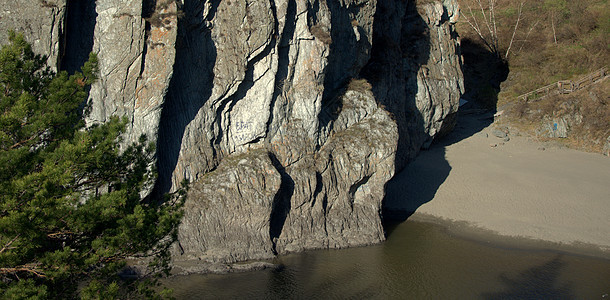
499, 133
493, 145
506, 139
541, 148
484, 134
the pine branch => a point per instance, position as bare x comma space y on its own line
8, 245
31, 268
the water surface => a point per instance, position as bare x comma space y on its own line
420, 260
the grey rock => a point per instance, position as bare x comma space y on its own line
556, 127
499, 133
336, 200
328, 199
227, 215
135, 64
40, 21
287, 117
415, 70
198, 267
136, 61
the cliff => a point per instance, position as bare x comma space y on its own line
287, 117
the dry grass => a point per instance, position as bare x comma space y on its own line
321, 33
582, 31
582, 46
46, 3
552, 44
588, 110
359, 85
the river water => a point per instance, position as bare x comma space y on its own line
419, 260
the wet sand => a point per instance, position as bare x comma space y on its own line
519, 188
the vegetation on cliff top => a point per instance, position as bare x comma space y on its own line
70, 205
554, 40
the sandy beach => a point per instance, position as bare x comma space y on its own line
519, 188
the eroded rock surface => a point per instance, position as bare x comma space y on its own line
216, 228
40, 21
415, 70
136, 53
286, 116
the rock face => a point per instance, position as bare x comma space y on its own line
415, 70
135, 43
40, 21
286, 116
235, 230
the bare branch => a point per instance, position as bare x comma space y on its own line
33, 269
528, 35
553, 26
475, 26
8, 245
488, 24
514, 30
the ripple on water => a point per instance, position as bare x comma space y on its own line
419, 260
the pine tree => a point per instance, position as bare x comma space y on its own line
70, 205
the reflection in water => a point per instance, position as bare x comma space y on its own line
418, 261
536, 283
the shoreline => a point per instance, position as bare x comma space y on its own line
508, 190
469, 232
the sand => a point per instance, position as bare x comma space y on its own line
519, 188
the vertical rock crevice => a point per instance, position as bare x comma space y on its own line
257, 77
223, 112
281, 203
189, 89
282, 82
78, 37
350, 32
415, 70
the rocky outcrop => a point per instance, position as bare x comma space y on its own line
136, 52
329, 198
415, 70
40, 21
333, 197
286, 116
233, 230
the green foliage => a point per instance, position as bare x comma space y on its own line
70, 205
559, 7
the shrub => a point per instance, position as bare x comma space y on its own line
359, 85
321, 33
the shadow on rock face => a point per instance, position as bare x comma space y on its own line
401, 46
190, 87
399, 87
78, 39
483, 74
